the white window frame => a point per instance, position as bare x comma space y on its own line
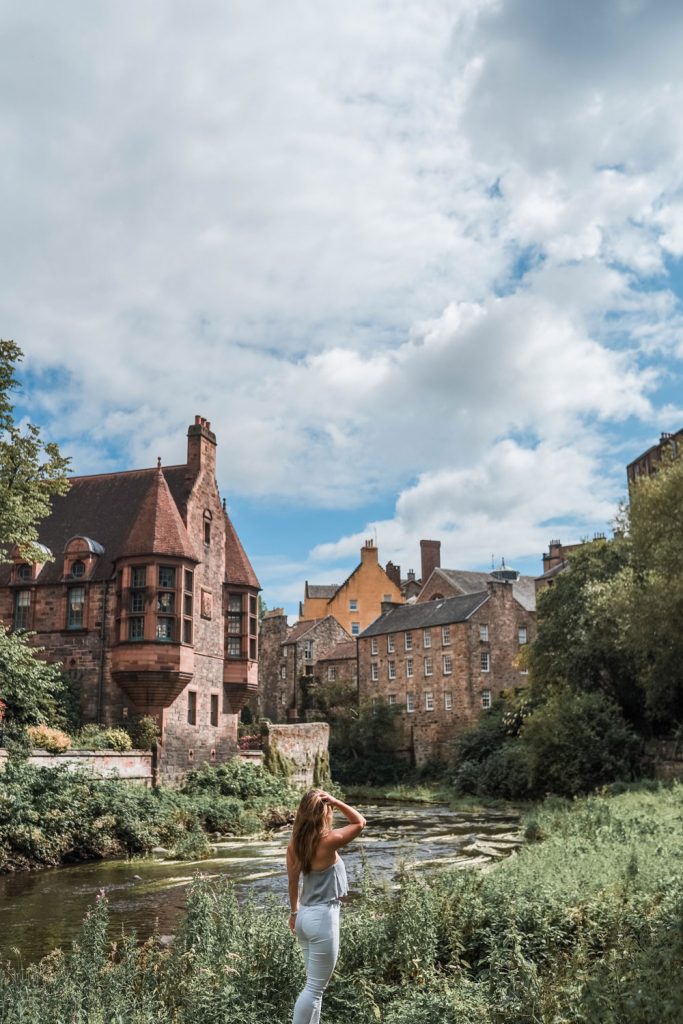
391, 669
331, 673
484, 633
353, 604
410, 703
447, 665
391, 699
445, 636
391, 643
308, 650
374, 672
428, 666
448, 701
283, 672
429, 700
486, 699
522, 632
374, 645
355, 629
484, 661
409, 668
408, 640
426, 638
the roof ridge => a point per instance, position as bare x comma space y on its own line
126, 472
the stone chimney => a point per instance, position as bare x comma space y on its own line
201, 448
430, 552
369, 554
553, 556
394, 573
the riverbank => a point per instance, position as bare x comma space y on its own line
429, 793
582, 926
55, 816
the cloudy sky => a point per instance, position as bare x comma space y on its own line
418, 261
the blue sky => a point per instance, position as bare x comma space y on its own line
419, 263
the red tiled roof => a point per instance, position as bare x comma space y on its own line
237, 566
157, 528
299, 628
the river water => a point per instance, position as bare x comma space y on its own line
42, 910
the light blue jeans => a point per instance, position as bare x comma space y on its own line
317, 929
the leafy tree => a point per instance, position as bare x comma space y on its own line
31, 473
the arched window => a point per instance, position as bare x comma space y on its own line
78, 568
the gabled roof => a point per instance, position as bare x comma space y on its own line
321, 591
347, 649
237, 566
157, 527
555, 571
470, 582
429, 613
299, 629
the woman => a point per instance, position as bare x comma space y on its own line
312, 856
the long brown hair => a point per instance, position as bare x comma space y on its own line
312, 818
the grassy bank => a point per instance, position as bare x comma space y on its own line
584, 926
424, 793
51, 816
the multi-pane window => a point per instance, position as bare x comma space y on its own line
167, 577
234, 646
374, 647
374, 671
188, 605
429, 700
308, 649
355, 628
408, 640
391, 646
166, 603
447, 664
521, 635
353, 605
486, 698
75, 607
235, 615
283, 672
448, 701
392, 669
24, 572
214, 709
253, 627
331, 673
410, 702
409, 667
191, 707
391, 698
445, 635
485, 659
136, 627
22, 609
484, 634
428, 666
138, 577
165, 628
426, 638
136, 602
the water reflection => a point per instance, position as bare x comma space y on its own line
43, 910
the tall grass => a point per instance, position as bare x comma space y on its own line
584, 926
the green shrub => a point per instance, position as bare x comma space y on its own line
97, 737
45, 738
145, 732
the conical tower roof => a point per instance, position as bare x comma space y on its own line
158, 528
237, 566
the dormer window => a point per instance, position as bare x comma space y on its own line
24, 572
78, 568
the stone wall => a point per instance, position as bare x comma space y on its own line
134, 766
301, 744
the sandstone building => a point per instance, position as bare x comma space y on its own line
150, 603
358, 600
289, 655
647, 464
443, 660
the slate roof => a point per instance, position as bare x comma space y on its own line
299, 629
429, 613
346, 649
321, 591
469, 582
555, 571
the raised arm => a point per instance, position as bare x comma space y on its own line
341, 836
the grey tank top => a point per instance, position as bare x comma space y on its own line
324, 886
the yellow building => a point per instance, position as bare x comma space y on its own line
358, 601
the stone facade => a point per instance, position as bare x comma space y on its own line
358, 600
289, 655
443, 662
305, 745
134, 766
150, 603
647, 464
